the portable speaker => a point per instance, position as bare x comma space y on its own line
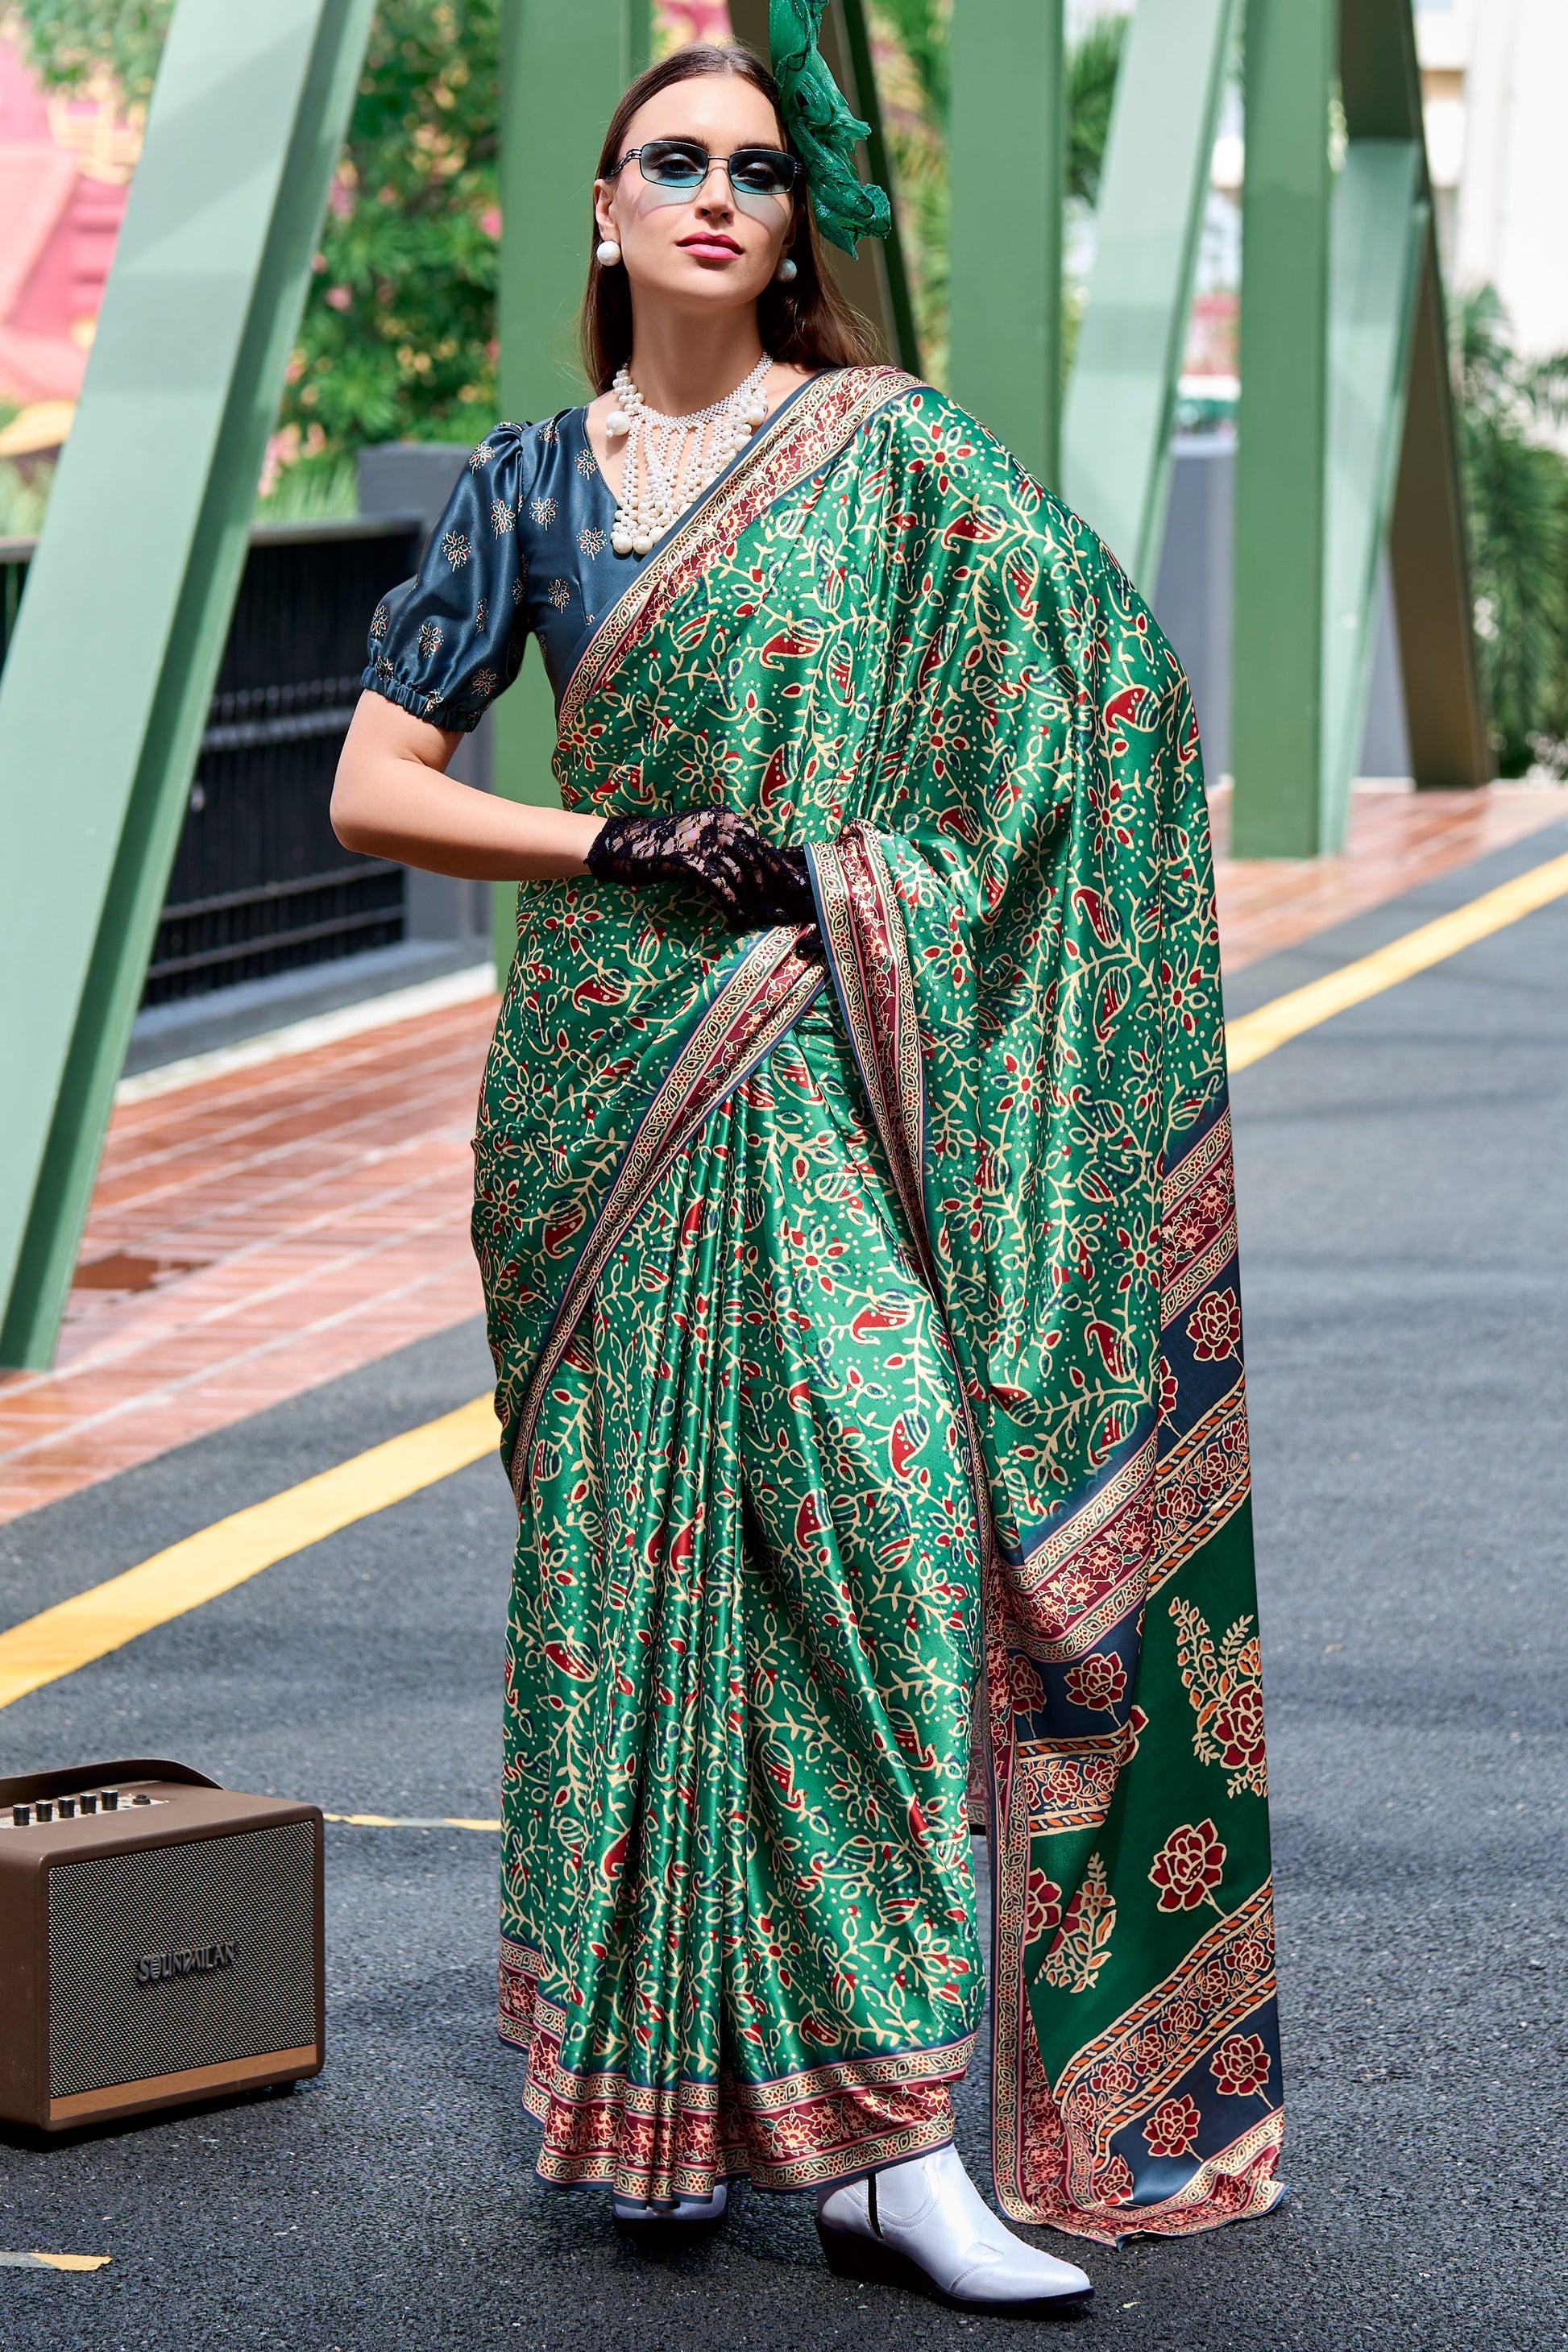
161, 1940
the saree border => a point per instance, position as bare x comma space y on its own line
816, 426
757, 1004
800, 2130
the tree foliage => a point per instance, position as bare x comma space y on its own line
1516, 498
397, 338
75, 42
1093, 63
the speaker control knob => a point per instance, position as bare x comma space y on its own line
110, 1800
44, 1811
67, 1808
21, 1815
88, 1805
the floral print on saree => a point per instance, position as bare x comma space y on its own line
914, 1372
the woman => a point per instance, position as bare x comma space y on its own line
856, 1092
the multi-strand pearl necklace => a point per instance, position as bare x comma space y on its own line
669, 459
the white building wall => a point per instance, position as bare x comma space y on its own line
1512, 222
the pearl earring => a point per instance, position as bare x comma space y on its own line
606, 253
786, 273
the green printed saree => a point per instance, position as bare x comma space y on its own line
865, 1312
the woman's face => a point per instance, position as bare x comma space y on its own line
700, 250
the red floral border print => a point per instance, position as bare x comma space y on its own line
1198, 1233
1204, 1480
811, 431
800, 2131
1055, 2162
1101, 1569
1125, 2072
760, 1003
1068, 1784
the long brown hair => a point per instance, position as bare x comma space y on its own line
807, 322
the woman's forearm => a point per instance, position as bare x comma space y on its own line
393, 799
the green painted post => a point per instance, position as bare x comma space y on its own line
1277, 638
563, 70
1005, 147
1116, 429
109, 678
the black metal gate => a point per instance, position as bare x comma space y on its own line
259, 883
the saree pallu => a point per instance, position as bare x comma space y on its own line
865, 1312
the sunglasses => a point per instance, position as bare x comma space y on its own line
681, 165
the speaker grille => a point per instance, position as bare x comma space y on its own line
256, 1893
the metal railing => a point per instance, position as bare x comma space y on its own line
259, 884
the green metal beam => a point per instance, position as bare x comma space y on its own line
1381, 82
1153, 189
1443, 712
109, 676
1377, 243
1277, 638
876, 280
1005, 146
563, 72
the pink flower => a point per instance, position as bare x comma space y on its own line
1097, 1682
1172, 2127
1214, 1327
339, 297
490, 220
1188, 1866
1240, 2065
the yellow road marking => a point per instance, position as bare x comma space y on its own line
71, 1634
1257, 1033
54, 2262
391, 1822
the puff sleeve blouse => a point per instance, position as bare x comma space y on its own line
524, 545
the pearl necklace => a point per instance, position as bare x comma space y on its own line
669, 459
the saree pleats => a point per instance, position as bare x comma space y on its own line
738, 1909
868, 1346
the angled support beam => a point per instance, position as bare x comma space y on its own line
136, 573
1378, 233
1277, 581
1116, 428
1433, 602
876, 280
563, 71
1007, 145
1382, 88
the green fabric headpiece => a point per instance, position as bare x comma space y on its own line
823, 129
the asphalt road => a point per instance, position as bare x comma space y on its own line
1406, 1258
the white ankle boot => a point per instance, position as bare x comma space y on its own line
923, 2223
674, 2209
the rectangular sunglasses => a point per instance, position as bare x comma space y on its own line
680, 166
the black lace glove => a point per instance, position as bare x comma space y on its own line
756, 883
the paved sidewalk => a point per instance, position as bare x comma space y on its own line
258, 1232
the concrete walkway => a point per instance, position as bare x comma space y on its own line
1405, 1259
